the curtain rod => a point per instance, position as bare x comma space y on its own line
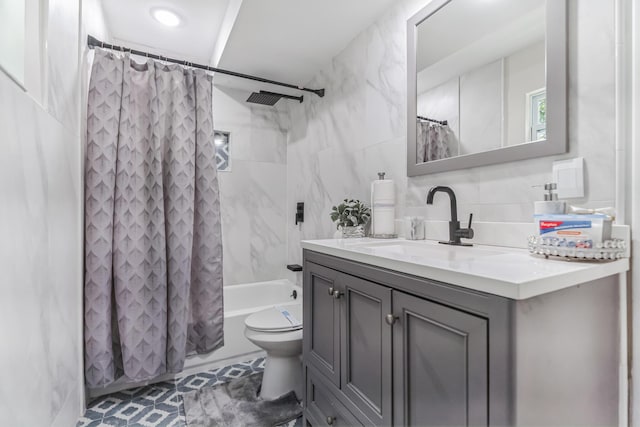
440, 122
94, 42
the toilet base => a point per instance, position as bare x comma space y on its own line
282, 374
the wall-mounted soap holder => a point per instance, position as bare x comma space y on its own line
581, 250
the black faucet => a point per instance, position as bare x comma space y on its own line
455, 232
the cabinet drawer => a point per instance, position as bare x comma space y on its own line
323, 408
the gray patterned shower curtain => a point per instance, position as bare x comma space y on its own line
432, 141
153, 251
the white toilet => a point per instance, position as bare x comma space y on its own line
278, 331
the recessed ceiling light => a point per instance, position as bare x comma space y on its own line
166, 17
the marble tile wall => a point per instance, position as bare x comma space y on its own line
41, 259
338, 143
253, 193
62, 61
40, 251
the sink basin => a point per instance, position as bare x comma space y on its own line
422, 250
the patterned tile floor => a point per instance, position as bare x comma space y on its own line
160, 404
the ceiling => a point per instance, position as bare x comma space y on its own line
284, 40
130, 23
464, 22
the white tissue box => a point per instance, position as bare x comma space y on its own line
584, 231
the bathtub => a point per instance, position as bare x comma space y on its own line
239, 302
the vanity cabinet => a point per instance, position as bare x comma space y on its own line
383, 348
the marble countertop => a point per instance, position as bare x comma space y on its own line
508, 272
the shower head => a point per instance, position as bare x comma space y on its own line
270, 98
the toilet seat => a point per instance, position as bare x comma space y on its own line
276, 319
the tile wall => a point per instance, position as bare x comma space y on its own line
338, 143
253, 193
40, 249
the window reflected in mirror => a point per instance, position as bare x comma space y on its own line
536, 115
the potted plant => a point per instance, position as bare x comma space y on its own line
350, 217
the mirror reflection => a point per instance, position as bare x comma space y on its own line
481, 79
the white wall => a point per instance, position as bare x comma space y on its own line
481, 108
40, 224
524, 72
12, 27
339, 142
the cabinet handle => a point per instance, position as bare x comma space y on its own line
331, 291
337, 294
331, 420
390, 319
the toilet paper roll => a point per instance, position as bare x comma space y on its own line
384, 220
383, 192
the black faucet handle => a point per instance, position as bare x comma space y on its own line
465, 233
468, 233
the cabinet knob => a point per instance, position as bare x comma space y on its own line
331, 420
331, 291
337, 294
390, 319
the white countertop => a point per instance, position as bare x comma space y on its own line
508, 272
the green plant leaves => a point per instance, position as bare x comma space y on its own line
350, 213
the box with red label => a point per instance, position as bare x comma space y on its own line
574, 230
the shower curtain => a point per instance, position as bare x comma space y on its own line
432, 142
153, 251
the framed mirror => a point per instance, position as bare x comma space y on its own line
487, 83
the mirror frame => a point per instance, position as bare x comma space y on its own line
556, 78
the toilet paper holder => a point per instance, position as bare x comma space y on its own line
385, 203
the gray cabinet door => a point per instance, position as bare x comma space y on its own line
321, 340
366, 348
440, 365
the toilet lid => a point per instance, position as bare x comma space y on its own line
276, 319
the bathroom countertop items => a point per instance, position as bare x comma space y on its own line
508, 272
